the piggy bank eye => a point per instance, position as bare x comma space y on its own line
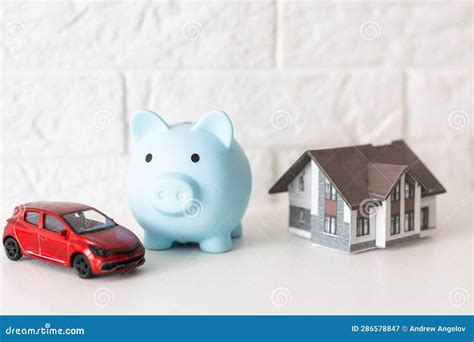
148, 157
195, 157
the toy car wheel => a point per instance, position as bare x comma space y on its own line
82, 266
12, 249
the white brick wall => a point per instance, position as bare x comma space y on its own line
293, 75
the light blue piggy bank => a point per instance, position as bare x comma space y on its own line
188, 182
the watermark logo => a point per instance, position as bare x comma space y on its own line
281, 119
370, 30
193, 208
47, 329
368, 208
281, 297
14, 30
459, 297
467, 24
364, 126
459, 119
14, 207
102, 119
193, 30
103, 296
267, 221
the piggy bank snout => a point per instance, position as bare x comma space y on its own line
172, 192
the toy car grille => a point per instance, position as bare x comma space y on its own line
128, 251
123, 264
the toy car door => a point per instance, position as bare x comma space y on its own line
27, 232
54, 243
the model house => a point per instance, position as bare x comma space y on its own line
360, 197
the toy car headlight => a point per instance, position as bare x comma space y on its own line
99, 251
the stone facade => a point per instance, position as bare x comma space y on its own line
341, 240
312, 220
403, 239
362, 246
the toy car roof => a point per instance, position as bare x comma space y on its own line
59, 208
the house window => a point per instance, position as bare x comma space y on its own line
409, 221
330, 191
301, 218
363, 226
301, 182
330, 224
409, 190
395, 224
424, 218
395, 195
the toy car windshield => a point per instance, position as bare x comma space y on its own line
88, 221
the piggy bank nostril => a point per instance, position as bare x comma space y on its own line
171, 192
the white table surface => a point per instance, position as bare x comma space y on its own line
269, 271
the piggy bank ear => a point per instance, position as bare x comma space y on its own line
218, 124
145, 121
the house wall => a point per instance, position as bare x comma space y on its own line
417, 207
314, 188
300, 204
340, 241
430, 202
382, 221
403, 236
360, 243
347, 213
300, 221
298, 198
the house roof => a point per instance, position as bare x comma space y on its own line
365, 171
382, 178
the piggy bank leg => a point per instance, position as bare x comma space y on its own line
156, 241
216, 244
237, 232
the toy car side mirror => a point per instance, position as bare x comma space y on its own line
63, 233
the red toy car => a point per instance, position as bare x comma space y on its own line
72, 235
